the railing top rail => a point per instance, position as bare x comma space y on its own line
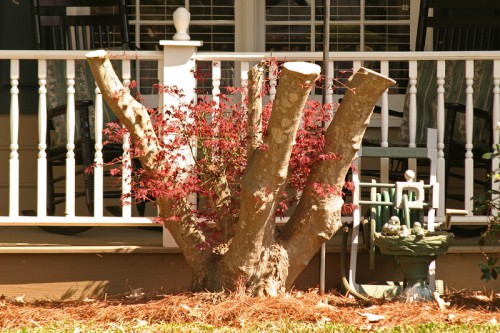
349, 56
257, 56
74, 55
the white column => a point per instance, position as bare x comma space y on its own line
14, 140
178, 67
42, 140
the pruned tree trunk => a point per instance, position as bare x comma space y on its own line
256, 257
263, 184
317, 214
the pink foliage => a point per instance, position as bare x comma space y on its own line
215, 138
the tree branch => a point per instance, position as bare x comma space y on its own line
266, 175
255, 79
179, 219
317, 216
133, 115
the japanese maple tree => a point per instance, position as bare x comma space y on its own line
244, 165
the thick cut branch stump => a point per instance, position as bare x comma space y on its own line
317, 216
267, 172
136, 119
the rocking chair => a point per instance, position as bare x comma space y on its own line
77, 25
456, 25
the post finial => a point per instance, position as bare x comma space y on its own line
181, 23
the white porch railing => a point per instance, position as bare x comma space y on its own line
239, 63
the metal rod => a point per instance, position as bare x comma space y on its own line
326, 74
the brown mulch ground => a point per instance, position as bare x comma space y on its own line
238, 309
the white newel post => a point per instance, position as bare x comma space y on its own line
178, 67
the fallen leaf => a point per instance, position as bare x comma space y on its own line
18, 299
373, 318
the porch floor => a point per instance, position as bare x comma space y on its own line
116, 260
141, 240
97, 239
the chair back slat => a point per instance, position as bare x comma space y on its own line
80, 24
460, 25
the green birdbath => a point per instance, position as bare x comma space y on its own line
414, 250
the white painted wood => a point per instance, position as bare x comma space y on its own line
14, 140
384, 70
384, 162
244, 68
168, 240
42, 140
412, 117
346, 56
216, 77
273, 77
440, 126
353, 261
329, 83
469, 123
357, 57
126, 160
70, 133
412, 112
257, 56
356, 65
98, 160
334, 103
176, 53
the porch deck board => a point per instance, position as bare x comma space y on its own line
95, 240
142, 240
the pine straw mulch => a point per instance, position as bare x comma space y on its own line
239, 310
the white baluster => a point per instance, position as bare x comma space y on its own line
441, 70
70, 132
126, 161
469, 123
329, 93
216, 76
496, 119
355, 225
98, 157
384, 162
329, 84
412, 112
273, 75
42, 140
245, 66
356, 65
14, 137
161, 79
